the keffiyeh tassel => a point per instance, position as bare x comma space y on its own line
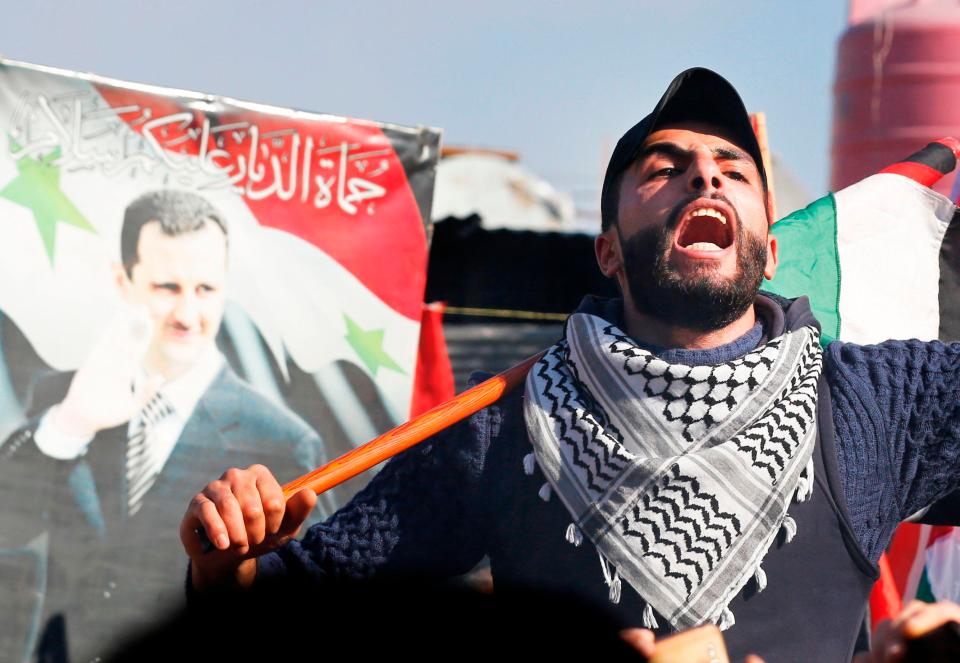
529, 463
649, 621
545, 492
615, 588
760, 576
612, 579
789, 528
726, 620
805, 483
574, 535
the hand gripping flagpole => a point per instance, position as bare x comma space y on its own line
404, 436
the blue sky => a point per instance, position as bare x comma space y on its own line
556, 81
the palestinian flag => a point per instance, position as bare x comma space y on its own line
925, 562
327, 217
925, 559
878, 259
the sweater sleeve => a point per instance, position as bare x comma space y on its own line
418, 516
897, 419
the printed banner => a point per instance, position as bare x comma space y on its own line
187, 283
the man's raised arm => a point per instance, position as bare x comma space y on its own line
423, 514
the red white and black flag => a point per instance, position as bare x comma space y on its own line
327, 215
316, 308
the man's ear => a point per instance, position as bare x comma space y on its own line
770, 268
121, 279
608, 251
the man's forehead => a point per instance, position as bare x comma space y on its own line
201, 248
153, 231
688, 135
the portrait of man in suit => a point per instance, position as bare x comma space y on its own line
110, 452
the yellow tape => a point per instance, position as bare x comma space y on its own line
505, 313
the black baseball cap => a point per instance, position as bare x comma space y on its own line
695, 95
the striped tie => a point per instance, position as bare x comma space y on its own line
142, 467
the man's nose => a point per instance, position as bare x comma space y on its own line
187, 311
703, 174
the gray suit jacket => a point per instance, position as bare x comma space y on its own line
105, 572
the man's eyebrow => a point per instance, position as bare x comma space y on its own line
667, 149
677, 152
730, 154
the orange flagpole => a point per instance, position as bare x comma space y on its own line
412, 432
759, 122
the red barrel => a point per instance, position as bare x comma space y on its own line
897, 84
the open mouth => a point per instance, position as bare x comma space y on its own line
705, 229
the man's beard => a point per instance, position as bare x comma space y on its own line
701, 301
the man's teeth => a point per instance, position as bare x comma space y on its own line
704, 246
709, 211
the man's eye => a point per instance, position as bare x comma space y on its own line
736, 175
669, 171
205, 289
166, 287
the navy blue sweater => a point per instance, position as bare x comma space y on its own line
895, 410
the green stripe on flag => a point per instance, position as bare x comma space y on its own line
924, 590
809, 263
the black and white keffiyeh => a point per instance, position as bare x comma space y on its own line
679, 475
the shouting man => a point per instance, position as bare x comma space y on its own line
685, 454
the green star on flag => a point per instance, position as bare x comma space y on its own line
368, 344
37, 187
